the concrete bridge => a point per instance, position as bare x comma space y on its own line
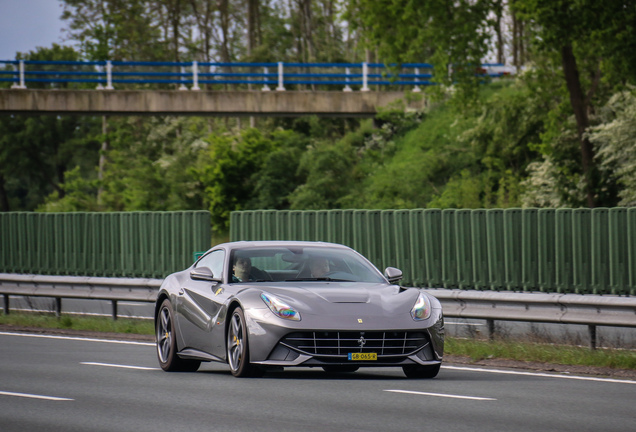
204, 103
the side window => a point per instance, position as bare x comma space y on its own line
214, 261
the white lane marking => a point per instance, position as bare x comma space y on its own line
539, 374
442, 395
463, 323
43, 336
33, 396
119, 366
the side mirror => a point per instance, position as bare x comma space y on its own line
393, 274
204, 274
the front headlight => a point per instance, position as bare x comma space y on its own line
280, 308
422, 308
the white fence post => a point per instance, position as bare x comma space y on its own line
280, 87
182, 86
417, 89
265, 73
99, 85
21, 85
365, 77
109, 75
347, 88
195, 76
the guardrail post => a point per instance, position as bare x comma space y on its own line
592, 332
491, 329
114, 310
417, 89
58, 307
265, 73
6, 304
280, 87
21, 85
195, 76
347, 88
365, 77
109, 75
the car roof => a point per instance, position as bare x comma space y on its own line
279, 243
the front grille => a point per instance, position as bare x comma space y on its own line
334, 343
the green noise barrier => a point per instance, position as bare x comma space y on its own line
584, 251
118, 244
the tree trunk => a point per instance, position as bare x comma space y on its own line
515, 41
252, 24
579, 106
4, 199
498, 7
225, 26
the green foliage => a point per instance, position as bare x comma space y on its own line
79, 194
327, 169
36, 151
543, 353
123, 30
151, 164
80, 323
279, 176
230, 171
452, 36
615, 138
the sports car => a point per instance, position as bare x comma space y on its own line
274, 304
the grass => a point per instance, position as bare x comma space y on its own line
542, 353
473, 348
98, 324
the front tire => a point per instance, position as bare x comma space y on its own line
421, 372
238, 351
167, 343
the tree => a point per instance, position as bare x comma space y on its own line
229, 172
453, 36
122, 30
36, 151
590, 34
615, 139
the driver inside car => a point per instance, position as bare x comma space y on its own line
242, 269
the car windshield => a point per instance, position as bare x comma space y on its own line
292, 264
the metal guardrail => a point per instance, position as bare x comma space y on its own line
590, 310
78, 287
341, 75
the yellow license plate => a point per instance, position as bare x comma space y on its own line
363, 356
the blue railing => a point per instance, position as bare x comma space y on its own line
107, 74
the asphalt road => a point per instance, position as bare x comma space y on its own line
68, 384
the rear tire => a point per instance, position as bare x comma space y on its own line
421, 372
167, 343
238, 350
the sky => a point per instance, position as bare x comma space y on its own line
28, 24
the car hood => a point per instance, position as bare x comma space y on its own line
335, 298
